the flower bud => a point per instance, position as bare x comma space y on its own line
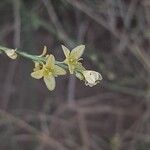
11, 53
91, 77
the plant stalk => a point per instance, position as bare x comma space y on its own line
33, 57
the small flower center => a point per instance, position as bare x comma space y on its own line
72, 61
48, 71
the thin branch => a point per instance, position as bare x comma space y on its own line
41, 136
12, 67
58, 26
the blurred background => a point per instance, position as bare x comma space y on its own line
114, 115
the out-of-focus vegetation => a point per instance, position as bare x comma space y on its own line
115, 115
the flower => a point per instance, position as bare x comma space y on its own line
73, 58
91, 77
48, 72
11, 53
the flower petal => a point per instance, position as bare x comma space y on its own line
66, 51
80, 67
71, 68
50, 61
77, 52
37, 74
50, 82
38, 66
44, 52
59, 71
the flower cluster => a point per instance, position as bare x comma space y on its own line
51, 68
47, 68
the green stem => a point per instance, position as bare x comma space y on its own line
33, 57
29, 56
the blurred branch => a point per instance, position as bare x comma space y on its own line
83, 130
41, 136
71, 92
89, 12
17, 21
125, 39
5, 31
130, 13
142, 57
58, 26
11, 70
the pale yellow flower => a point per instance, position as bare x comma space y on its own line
48, 72
92, 77
11, 53
73, 58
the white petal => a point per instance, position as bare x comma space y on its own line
50, 82
77, 51
50, 61
66, 51
59, 71
37, 74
